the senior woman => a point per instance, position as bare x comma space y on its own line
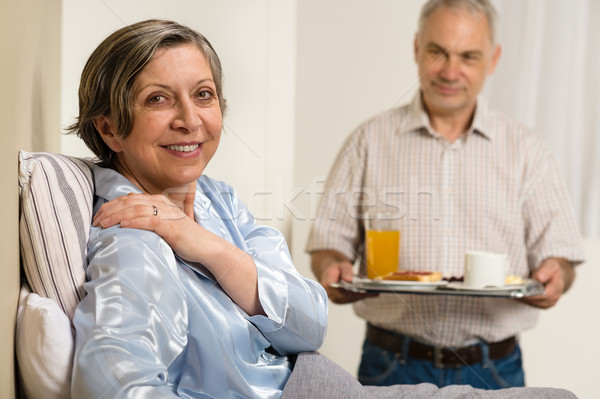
186, 295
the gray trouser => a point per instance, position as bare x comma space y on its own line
316, 377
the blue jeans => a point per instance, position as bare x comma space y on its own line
381, 367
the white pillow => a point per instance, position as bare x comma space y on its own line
56, 196
44, 346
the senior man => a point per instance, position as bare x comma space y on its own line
459, 176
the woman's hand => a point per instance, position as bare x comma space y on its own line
158, 214
233, 268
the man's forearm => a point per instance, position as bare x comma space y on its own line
568, 271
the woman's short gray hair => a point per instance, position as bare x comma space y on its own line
484, 7
107, 80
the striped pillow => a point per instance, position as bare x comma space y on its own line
56, 197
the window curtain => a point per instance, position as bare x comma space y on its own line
548, 78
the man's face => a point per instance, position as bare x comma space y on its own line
454, 54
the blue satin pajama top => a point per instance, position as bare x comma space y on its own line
155, 326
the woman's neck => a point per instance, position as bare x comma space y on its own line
184, 198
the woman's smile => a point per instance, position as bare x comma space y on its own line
187, 151
184, 147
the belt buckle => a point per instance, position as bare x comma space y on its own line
438, 357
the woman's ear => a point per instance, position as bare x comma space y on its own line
107, 129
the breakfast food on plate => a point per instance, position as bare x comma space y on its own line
515, 280
412, 275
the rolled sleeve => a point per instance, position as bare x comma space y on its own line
551, 228
296, 307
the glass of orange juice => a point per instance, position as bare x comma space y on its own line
382, 245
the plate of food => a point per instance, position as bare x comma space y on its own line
400, 280
510, 283
404, 278
461, 286
516, 287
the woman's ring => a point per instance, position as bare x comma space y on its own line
155, 210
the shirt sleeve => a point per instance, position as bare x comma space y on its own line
296, 306
132, 322
551, 227
337, 224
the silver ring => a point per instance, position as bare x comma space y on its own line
155, 210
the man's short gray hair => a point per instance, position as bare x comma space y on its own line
485, 7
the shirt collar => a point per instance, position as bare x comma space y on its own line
110, 184
419, 120
481, 121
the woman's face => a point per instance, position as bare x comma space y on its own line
176, 122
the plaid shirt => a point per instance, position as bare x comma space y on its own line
496, 188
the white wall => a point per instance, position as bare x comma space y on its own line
561, 350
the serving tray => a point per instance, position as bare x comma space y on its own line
360, 284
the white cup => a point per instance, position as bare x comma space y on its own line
485, 269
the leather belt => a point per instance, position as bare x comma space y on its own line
440, 356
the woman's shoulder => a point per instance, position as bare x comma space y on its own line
123, 237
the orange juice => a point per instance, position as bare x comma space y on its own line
383, 249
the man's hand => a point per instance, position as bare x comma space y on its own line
557, 275
331, 267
